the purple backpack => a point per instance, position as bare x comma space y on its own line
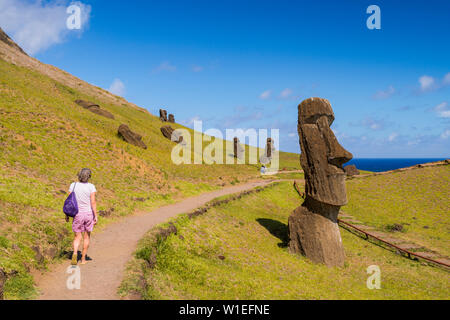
70, 205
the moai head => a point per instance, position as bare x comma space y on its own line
322, 156
171, 118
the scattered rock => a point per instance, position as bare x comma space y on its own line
51, 252
396, 227
131, 137
172, 228
164, 233
140, 199
171, 134
95, 108
163, 115
27, 267
221, 257
171, 118
38, 254
152, 260
197, 213
351, 170
2, 277
106, 213
15, 247
426, 227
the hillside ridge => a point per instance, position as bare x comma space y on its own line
13, 53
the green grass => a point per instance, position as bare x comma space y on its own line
418, 199
45, 138
251, 233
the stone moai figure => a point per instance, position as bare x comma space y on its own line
235, 147
163, 115
269, 146
238, 149
313, 228
171, 118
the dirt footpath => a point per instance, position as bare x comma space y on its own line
113, 247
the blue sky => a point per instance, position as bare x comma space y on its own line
248, 64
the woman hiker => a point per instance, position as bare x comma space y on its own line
84, 221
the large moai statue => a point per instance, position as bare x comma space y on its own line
163, 115
313, 228
171, 118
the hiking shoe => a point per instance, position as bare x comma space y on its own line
74, 259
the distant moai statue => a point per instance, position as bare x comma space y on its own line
269, 146
238, 150
171, 118
266, 157
163, 115
313, 228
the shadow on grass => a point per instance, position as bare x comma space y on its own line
277, 229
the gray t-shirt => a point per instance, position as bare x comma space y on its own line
83, 193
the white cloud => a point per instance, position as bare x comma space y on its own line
286, 93
392, 136
165, 66
426, 83
117, 88
445, 134
197, 68
265, 95
446, 80
190, 122
384, 94
443, 110
292, 134
38, 25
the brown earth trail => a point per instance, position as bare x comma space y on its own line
112, 248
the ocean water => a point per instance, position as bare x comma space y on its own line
381, 164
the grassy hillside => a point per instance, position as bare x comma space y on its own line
417, 199
45, 138
238, 251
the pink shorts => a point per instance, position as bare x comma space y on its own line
83, 222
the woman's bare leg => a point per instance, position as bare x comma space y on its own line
86, 239
76, 244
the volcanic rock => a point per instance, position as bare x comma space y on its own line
38, 254
351, 170
2, 279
